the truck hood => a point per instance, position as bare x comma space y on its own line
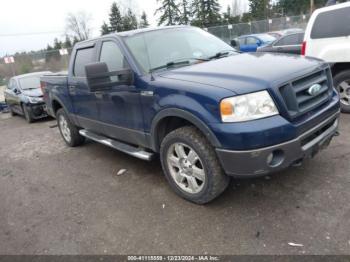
33, 92
245, 73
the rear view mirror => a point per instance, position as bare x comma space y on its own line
100, 78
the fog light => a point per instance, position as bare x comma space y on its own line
275, 158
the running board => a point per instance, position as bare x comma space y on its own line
125, 148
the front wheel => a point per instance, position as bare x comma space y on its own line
191, 166
342, 83
69, 132
27, 114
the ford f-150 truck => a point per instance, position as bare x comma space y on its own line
209, 112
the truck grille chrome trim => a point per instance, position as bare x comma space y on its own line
307, 93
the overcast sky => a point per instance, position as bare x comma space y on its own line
19, 18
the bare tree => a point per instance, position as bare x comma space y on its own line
78, 25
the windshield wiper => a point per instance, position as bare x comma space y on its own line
220, 54
179, 63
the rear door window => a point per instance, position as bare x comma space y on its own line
252, 41
294, 39
242, 41
10, 84
82, 58
335, 23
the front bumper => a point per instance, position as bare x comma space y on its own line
37, 111
262, 161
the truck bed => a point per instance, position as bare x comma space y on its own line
54, 86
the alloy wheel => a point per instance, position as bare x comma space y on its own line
63, 124
186, 168
344, 92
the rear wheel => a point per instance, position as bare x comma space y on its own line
342, 83
69, 132
191, 166
27, 114
12, 113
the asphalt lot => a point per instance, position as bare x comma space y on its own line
60, 200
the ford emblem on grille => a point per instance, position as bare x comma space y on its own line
314, 89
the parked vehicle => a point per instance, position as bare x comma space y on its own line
250, 43
208, 111
327, 37
288, 31
24, 96
290, 44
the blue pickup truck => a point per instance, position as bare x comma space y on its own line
209, 112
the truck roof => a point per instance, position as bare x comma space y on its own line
135, 32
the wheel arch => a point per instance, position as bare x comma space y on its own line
177, 118
340, 67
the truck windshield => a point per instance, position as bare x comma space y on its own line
32, 82
157, 49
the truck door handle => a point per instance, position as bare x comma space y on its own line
99, 94
71, 89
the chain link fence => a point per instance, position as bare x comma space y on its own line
51, 60
229, 32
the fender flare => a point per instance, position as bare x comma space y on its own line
71, 116
175, 112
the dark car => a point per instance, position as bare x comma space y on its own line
208, 111
24, 96
290, 44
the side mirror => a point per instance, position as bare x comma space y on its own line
100, 78
234, 43
16, 91
259, 43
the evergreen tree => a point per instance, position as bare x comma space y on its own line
297, 7
144, 22
57, 44
260, 9
185, 10
105, 29
67, 43
170, 13
115, 19
75, 40
206, 12
227, 15
129, 21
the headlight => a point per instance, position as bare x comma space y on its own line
35, 100
247, 107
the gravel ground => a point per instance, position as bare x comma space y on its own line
60, 200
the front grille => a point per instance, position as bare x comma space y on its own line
296, 93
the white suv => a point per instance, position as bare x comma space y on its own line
327, 37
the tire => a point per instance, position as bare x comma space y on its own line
342, 84
69, 132
12, 113
196, 176
26, 114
